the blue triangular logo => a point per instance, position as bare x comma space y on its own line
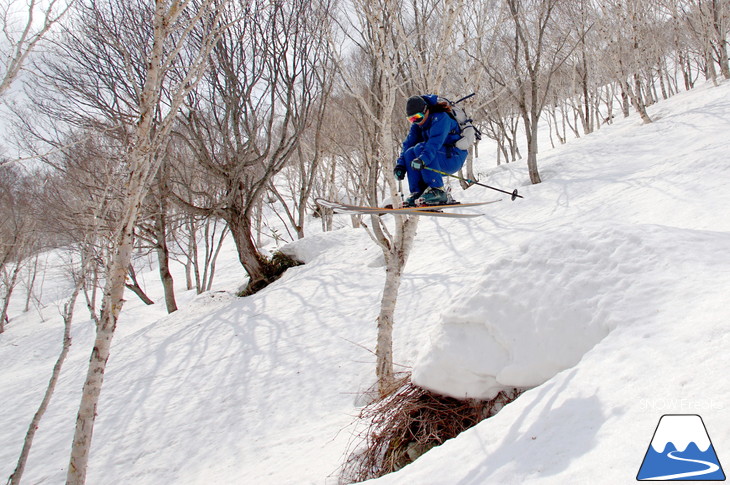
681, 450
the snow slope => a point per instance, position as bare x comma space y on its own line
605, 287
626, 246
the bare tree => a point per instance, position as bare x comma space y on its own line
245, 122
191, 232
302, 174
153, 229
625, 24
429, 58
582, 78
126, 69
707, 23
395, 57
19, 237
210, 234
373, 86
339, 176
67, 315
22, 31
537, 48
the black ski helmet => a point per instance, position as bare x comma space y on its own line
415, 104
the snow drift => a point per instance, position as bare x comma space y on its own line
538, 311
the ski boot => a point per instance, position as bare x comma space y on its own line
412, 200
435, 196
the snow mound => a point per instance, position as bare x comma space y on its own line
666, 353
345, 244
537, 312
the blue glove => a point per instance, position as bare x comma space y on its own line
400, 172
417, 164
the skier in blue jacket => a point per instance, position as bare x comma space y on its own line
430, 143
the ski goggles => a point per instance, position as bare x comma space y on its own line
416, 118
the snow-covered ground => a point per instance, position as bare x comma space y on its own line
605, 289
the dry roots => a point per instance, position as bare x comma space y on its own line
408, 423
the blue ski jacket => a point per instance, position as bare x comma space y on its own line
438, 135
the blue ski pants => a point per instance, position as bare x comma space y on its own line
448, 159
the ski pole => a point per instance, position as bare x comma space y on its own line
465, 98
514, 193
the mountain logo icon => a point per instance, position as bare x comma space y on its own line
681, 450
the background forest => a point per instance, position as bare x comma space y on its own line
138, 128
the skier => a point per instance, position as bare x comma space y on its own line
430, 143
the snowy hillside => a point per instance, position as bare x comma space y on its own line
605, 288
626, 246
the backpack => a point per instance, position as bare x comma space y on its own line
469, 133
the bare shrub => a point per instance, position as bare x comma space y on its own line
407, 423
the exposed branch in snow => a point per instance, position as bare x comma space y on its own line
409, 422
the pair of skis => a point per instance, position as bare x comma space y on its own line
434, 210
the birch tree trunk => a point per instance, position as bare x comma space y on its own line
12, 281
68, 311
637, 101
396, 256
112, 303
399, 53
32, 274
396, 54
720, 19
625, 23
173, 22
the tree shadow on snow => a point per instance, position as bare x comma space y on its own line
554, 438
